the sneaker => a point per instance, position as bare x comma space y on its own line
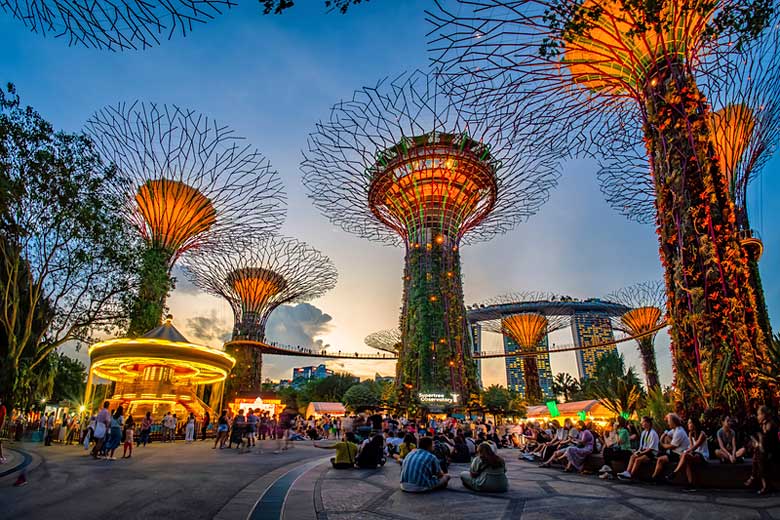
605, 469
624, 476
21, 481
606, 476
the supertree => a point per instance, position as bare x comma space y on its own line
744, 127
388, 340
646, 301
192, 183
594, 67
255, 277
112, 25
528, 330
402, 163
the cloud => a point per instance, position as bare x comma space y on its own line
208, 328
183, 284
298, 325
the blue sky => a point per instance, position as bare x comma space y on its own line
271, 78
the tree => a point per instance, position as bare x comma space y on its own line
615, 387
279, 6
64, 248
70, 379
565, 385
496, 400
328, 389
362, 395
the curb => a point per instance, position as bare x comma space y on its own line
26, 461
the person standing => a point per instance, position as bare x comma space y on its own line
189, 429
222, 430
166, 426
102, 424
251, 427
205, 427
115, 435
174, 427
49, 429
129, 434
146, 429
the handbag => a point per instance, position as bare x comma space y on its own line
100, 430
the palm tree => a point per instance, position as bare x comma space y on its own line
618, 389
565, 385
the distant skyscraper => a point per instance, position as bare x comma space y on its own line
476, 347
303, 374
591, 329
515, 367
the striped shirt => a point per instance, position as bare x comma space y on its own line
420, 468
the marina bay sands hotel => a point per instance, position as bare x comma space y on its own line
590, 321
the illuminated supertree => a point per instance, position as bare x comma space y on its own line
111, 25
647, 301
594, 67
255, 277
528, 330
401, 163
744, 130
191, 183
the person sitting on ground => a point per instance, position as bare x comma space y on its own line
460, 452
584, 446
442, 451
372, 454
675, 442
406, 447
727, 450
470, 443
421, 472
346, 451
647, 451
696, 454
618, 448
766, 452
487, 473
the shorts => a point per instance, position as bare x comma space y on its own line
674, 457
222, 428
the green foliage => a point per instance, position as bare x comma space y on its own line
770, 371
496, 399
65, 259
618, 389
279, 6
148, 307
564, 385
658, 403
740, 21
328, 389
70, 379
365, 394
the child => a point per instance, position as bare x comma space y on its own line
129, 432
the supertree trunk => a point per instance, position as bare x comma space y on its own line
533, 389
712, 309
155, 283
647, 352
246, 376
433, 357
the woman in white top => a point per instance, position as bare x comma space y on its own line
695, 455
189, 430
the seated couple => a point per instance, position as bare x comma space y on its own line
348, 455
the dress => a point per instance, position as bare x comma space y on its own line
489, 480
115, 434
576, 455
189, 434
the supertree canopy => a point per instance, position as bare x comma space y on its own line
744, 128
111, 25
402, 163
597, 67
191, 183
255, 277
647, 303
528, 330
388, 340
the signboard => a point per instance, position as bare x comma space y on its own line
553, 407
436, 398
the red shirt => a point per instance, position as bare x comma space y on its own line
2, 414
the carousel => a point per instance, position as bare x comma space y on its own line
158, 372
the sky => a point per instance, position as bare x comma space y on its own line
271, 78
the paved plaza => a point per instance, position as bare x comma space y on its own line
194, 481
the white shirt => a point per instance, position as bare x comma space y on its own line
679, 440
649, 440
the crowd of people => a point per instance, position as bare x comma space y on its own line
682, 449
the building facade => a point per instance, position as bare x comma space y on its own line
302, 375
515, 367
591, 329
